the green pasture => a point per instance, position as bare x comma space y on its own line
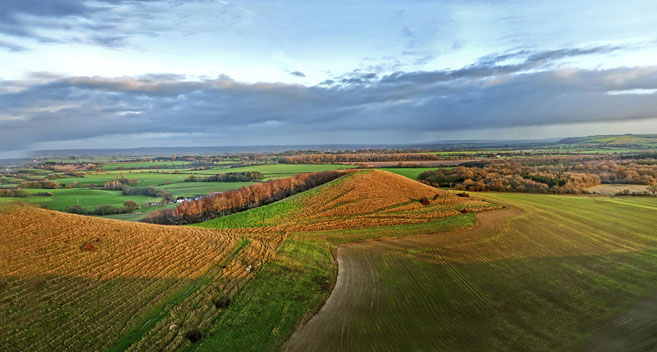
271, 171
86, 198
410, 172
552, 278
144, 164
189, 189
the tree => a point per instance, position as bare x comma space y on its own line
652, 188
130, 205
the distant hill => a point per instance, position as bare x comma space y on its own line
635, 140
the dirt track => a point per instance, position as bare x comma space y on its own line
358, 288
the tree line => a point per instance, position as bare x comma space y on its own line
247, 176
324, 158
244, 198
543, 174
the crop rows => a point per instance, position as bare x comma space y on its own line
200, 309
362, 200
79, 283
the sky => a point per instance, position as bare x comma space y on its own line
80, 74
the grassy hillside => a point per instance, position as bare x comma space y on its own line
365, 199
71, 282
557, 273
361, 206
640, 140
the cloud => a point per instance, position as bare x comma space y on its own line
221, 111
112, 23
297, 74
492, 65
11, 46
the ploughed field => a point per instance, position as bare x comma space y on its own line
547, 273
70, 282
357, 201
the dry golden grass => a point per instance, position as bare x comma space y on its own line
378, 198
71, 282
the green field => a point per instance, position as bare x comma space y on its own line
144, 164
552, 277
271, 171
86, 198
288, 288
171, 180
189, 189
144, 178
410, 172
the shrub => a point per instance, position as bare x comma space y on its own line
222, 303
425, 201
130, 205
194, 336
75, 209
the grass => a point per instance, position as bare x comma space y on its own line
86, 198
145, 178
139, 214
190, 189
612, 189
271, 171
144, 164
159, 312
410, 172
171, 180
548, 279
52, 290
287, 289
290, 286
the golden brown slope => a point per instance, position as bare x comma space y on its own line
71, 282
364, 199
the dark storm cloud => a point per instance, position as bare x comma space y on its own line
51, 108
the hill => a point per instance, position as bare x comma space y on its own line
362, 206
72, 282
636, 140
365, 199
548, 273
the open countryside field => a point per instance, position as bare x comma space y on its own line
145, 165
170, 180
355, 207
370, 198
548, 273
83, 283
410, 172
613, 189
87, 198
271, 171
190, 189
545, 271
